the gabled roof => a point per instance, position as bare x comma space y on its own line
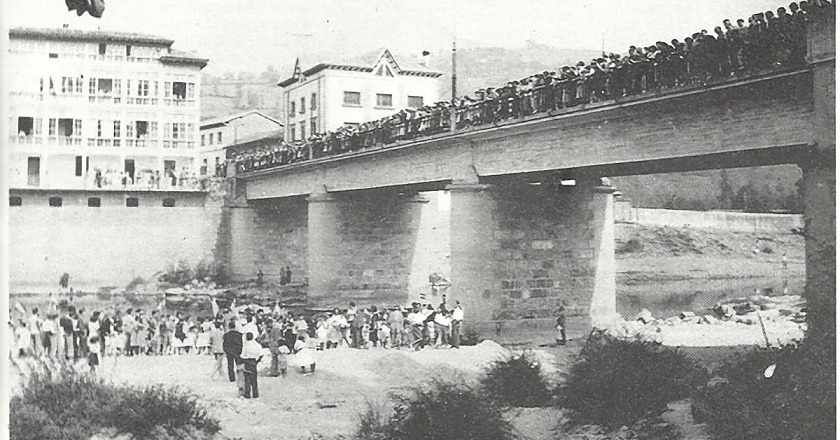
224, 120
61, 34
363, 64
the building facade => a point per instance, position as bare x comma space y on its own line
99, 110
217, 134
331, 95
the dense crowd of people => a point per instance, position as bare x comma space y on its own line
766, 41
147, 179
238, 335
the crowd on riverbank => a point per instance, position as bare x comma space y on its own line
767, 41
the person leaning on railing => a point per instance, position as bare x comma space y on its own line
769, 40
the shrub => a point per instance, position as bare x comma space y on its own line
797, 401
68, 405
516, 381
442, 411
616, 383
631, 246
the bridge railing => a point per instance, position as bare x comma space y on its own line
770, 43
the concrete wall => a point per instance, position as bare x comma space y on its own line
730, 221
105, 246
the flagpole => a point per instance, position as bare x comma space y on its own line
454, 71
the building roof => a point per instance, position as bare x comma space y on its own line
176, 56
62, 34
224, 120
364, 63
265, 137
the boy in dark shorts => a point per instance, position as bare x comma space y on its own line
93, 355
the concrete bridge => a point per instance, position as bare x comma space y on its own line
520, 239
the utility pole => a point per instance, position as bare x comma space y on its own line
454, 70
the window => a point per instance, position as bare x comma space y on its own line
94, 202
202, 140
302, 105
313, 102
99, 128
78, 166
179, 90
303, 131
15, 201
102, 47
65, 127
116, 129
190, 90
33, 171
26, 125
313, 126
292, 133
219, 138
352, 98
169, 202
211, 138
128, 50
104, 86
415, 101
292, 107
55, 202
132, 202
384, 100
143, 87
52, 125
142, 128
53, 55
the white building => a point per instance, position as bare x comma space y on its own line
219, 133
330, 95
100, 110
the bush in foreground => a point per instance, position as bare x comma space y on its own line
67, 405
796, 401
516, 381
442, 411
617, 383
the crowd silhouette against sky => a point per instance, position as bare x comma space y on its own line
766, 41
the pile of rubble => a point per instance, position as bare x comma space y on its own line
757, 320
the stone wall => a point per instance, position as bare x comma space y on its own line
265, 236
521, 251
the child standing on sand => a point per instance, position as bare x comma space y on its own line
303, 354
561, 326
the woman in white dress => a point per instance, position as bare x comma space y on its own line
304, 353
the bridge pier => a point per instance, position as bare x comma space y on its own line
520, 251
361, 247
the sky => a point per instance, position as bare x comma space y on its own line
249, 35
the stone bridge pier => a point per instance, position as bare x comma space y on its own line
521, 250
361, 246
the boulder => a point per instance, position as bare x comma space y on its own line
645, 317
684, 315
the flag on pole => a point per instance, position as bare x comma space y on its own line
20, 308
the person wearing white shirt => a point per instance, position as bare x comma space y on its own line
34, 326
415, 320
23, 339
252, 353
248, 326
442, 327
457, 320
303, 353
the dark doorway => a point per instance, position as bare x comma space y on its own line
129, 168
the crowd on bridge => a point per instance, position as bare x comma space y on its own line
237, 335
766, 41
